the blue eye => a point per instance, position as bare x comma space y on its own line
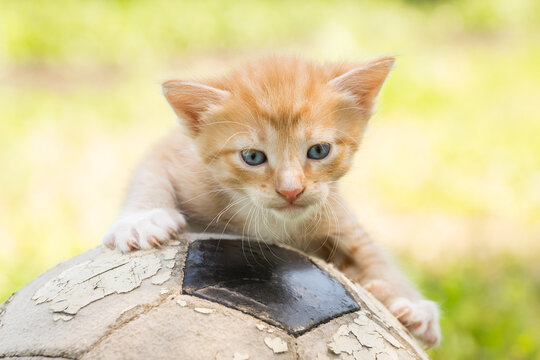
253, 157
319, 151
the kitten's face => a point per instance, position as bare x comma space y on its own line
279, 133
285, 163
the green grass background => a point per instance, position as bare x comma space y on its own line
448, 178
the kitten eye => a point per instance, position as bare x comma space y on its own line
253, 157
319, 151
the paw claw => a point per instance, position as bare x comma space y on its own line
154, 241
108, 241
403, 313
133, 245
172, 233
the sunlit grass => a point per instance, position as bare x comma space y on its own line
489, 312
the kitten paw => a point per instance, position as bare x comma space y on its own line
421, 318
144, 230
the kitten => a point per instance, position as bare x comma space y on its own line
261, 154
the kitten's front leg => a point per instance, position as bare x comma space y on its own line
150, 216
367, 264
364, 262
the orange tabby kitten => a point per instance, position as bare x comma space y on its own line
261, 153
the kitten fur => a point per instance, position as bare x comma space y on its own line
197, 179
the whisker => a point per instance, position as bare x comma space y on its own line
328, 228
314, 226
275, 236
224, 190
236, 213
229, 122
243, 231
348, 136
337, 199
230, 206
336, 233
231, 203
203, 194
259, 211
218, 152
245, 198
343, 109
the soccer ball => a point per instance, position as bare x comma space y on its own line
201, 297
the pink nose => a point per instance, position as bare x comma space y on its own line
291, 194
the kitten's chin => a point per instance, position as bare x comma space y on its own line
292, 212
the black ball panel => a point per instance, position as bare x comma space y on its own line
274, 284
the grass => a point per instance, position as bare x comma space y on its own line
448, 177
489, 312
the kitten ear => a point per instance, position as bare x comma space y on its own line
365, 81
190, 101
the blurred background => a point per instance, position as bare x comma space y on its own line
448, 178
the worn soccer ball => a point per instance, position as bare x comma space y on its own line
202, 297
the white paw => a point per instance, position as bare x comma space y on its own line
420, 317
144, 230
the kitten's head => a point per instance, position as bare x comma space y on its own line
280, 131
